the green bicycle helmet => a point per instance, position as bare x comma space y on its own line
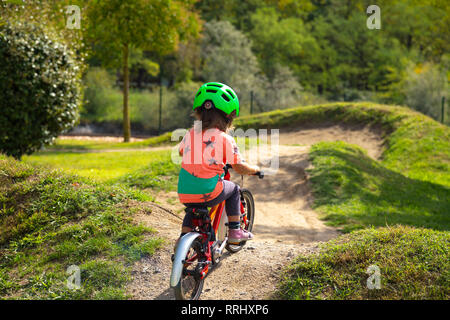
222, 96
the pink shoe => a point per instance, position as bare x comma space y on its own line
236, 236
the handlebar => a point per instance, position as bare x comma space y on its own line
260, 174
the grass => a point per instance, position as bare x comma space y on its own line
401, 194
50, 220
409, 185
143, 169
353, 191
97, 144
413, 264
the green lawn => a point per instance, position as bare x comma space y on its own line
105, 166
96, 144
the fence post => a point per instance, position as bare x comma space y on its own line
443, 110
251, 102
160, 106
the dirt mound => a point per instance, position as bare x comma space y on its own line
368, 138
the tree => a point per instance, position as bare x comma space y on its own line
39, 89
282, 91
116, 27
228, 58
281, 41
424, 87
236, 12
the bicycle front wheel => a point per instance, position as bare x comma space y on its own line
247, 218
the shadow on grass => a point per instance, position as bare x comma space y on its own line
354, 191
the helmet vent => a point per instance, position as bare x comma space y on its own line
198, 93
211, 90
231, 93
214, 85
225, 97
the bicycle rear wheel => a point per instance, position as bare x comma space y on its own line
249, 214
190, 285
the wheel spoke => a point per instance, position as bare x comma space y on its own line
191, 284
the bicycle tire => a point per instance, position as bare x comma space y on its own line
179, 291
250, 210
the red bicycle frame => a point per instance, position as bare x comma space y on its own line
215, 215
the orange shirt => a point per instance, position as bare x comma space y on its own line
205, 153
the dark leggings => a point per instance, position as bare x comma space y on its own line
230, 194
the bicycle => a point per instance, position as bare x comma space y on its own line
203, 247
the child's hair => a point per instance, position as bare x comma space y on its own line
211, 117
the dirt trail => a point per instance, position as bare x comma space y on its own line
285, 225
283, 202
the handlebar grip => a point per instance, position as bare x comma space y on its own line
260, 174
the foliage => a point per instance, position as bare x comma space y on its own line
39, 88
97, 95
287, 52
279, 41
424, 87
179, 109
102, 104
228, 58
329, 48
51, 16
282, 91
141, 24
116, 27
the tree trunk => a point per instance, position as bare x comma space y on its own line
126, 111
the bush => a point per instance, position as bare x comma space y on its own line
182, 103
98, 100
424, 88
103, 103
39, 89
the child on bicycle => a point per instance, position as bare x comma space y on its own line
205, 150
